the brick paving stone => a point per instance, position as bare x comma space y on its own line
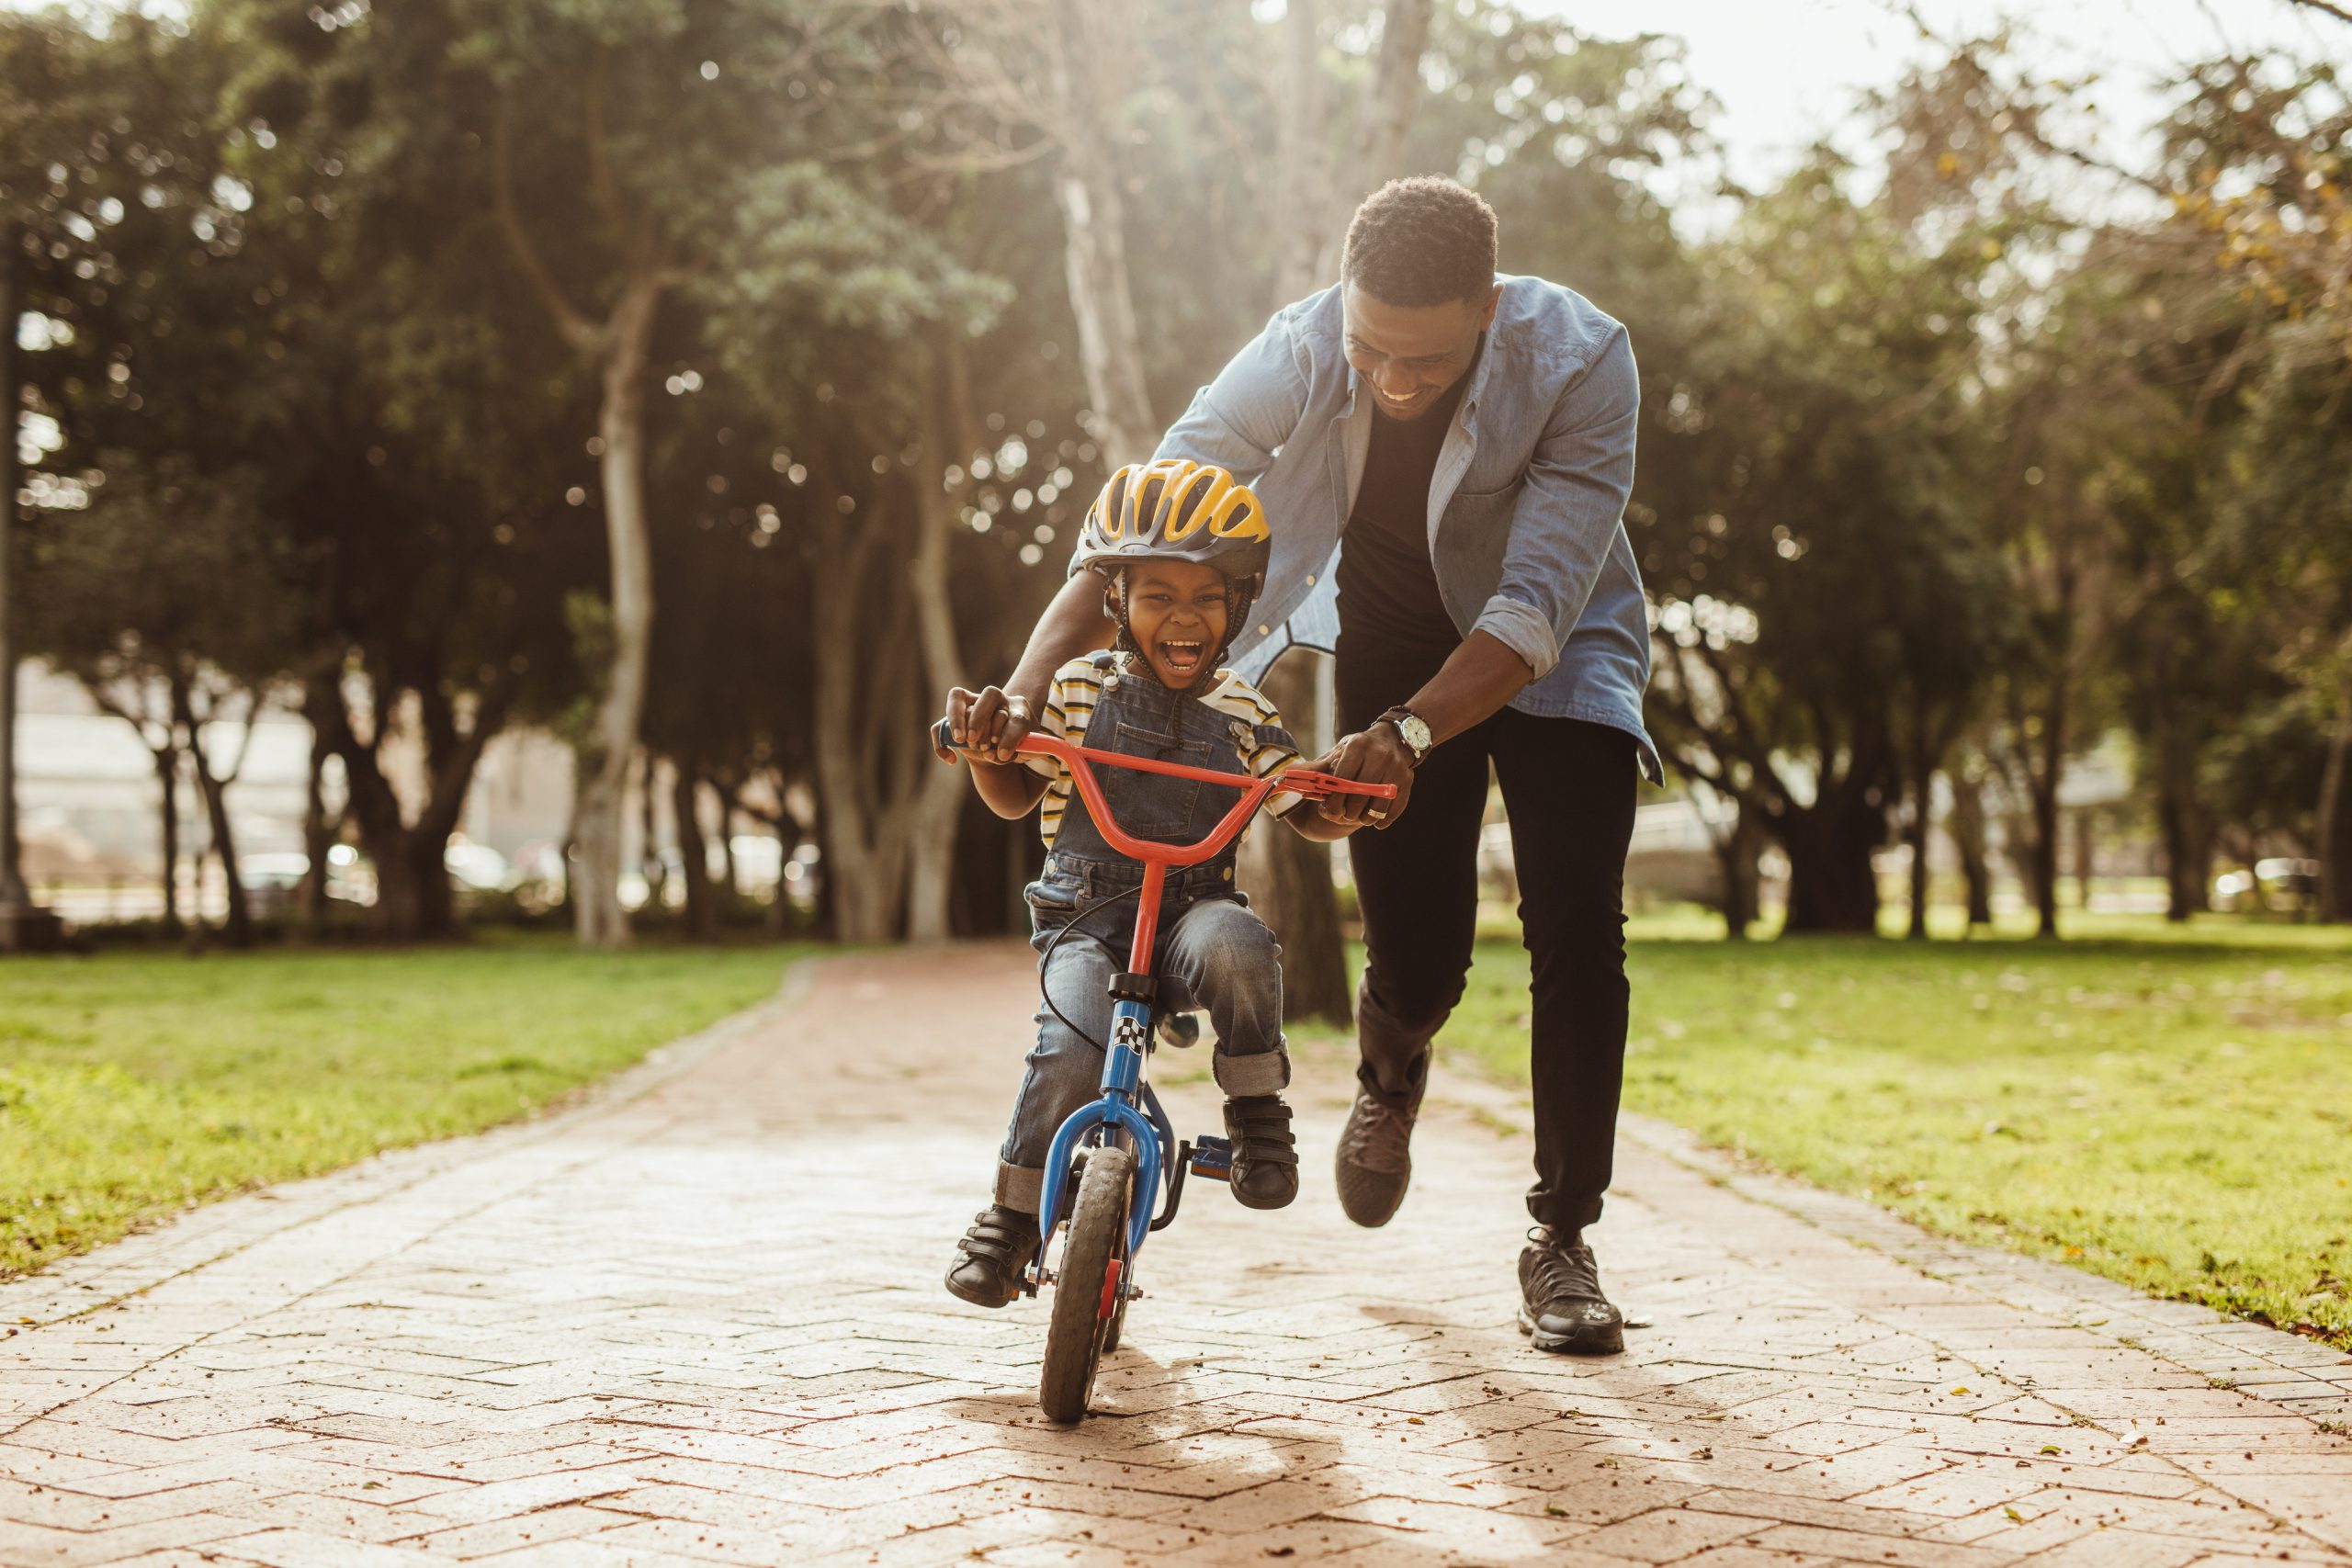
696, 1320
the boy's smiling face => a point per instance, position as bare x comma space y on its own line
1176, 614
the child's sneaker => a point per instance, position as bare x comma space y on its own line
1265, 1160
992, 1255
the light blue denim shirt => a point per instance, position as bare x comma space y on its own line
1526, 512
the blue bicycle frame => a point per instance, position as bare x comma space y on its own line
1127, 1107
1128, 1110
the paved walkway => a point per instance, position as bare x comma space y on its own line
697, 1321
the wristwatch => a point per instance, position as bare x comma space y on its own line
1413, 729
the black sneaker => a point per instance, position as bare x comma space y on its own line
1561, 1307
1265, 1160
992, 1255
1374, 1163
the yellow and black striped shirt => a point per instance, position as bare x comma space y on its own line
1078, 686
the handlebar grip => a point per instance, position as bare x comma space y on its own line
940, 735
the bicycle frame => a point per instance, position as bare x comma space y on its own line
1128, 1104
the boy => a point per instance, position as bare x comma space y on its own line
1183, 548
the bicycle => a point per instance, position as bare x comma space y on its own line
1109, 1152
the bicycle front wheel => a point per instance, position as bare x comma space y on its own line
1087, 1285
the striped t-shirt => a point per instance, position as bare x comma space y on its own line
1078, 686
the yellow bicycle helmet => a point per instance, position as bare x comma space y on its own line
1178, 510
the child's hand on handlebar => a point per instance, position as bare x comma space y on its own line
987, 724
1377, 755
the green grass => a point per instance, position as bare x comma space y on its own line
132, 1083
2172, 1110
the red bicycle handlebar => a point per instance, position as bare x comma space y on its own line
1081, 761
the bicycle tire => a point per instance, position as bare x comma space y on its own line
1074, 1333
1112, 1330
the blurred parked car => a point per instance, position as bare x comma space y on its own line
273, 881
477, 868
2278, 882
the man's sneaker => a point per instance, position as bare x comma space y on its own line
1561, 1307
1375, 1158
1265, 1160
992, 1256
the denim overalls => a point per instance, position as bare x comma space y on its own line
1212, 953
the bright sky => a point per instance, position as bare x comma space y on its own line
1786, 71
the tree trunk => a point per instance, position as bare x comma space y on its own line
1110, 345
1968, 836
694, 853
2043, 850
597, 916
1382, 120
1831, 884
318, 837
2086, 854
2336, 814
413, 899
413, 896
1307, 196
1288, 879
1391, 92
594, 868
14, 894
167, 778
730, 875
1736, 853
865, 860
939, 791
1916, 830
649, 863
238, 925
2184, 854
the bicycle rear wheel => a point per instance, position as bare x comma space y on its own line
1084, 1285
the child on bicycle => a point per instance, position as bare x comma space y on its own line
1184, 549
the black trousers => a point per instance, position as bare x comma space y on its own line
1568, 789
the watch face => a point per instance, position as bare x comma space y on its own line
1416, 731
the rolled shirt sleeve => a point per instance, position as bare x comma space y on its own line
1570, 510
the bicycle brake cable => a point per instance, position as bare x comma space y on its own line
1046, 991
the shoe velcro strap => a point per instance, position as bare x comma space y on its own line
995, 1242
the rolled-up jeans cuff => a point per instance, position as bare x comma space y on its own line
1019, 1186
1260, 1072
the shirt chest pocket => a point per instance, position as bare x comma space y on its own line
1474, 537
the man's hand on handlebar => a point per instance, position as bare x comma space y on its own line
1378, 755
987, 724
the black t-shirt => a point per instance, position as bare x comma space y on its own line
1387, 586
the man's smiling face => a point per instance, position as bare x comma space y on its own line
1176, 614
1410, 353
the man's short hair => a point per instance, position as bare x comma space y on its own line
1422, 241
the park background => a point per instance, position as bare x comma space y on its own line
500, 489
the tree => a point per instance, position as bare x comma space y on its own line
864, 347
2255, 158
66, 97
1823, 541
1012, 81
117, 610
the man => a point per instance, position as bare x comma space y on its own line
1447, 456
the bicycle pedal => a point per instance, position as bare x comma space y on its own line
1213, 1157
